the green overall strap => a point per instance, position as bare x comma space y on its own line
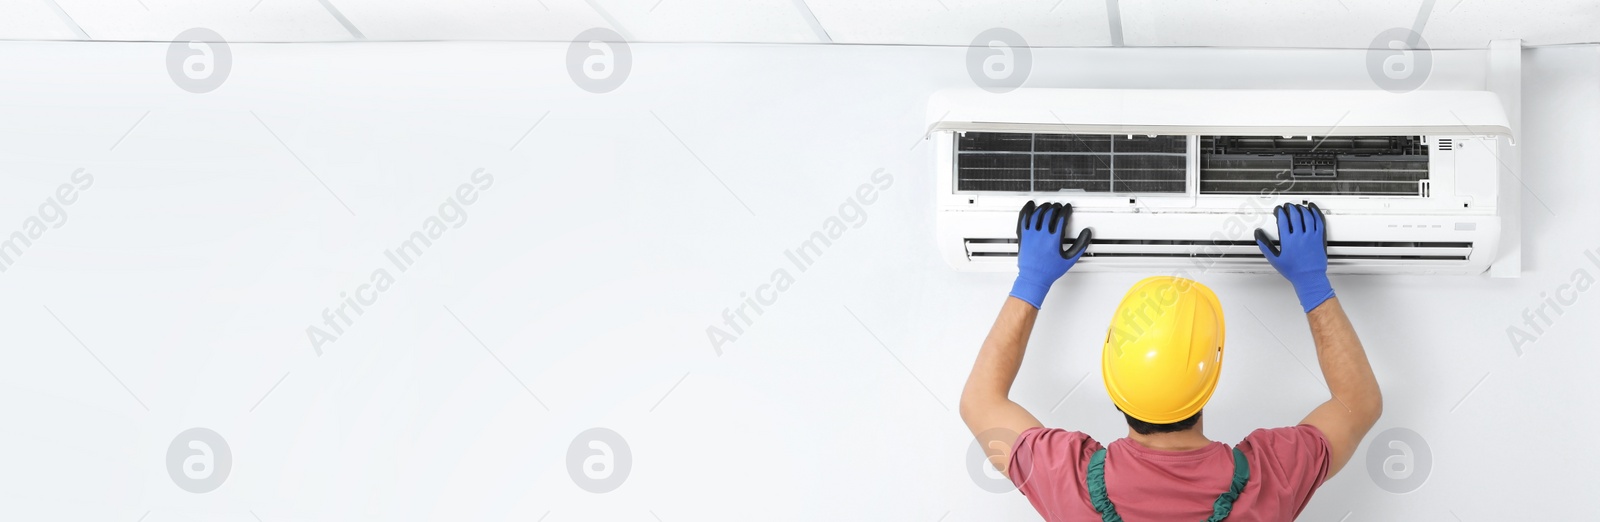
1095, 479
1241, 475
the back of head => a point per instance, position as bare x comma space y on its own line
1163, 352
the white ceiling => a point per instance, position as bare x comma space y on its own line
1243, 23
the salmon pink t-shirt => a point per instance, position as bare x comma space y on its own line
1286, 466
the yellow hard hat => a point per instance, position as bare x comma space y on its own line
1163, 352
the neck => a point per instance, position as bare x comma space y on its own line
1190, 439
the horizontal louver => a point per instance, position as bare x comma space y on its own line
1152, 248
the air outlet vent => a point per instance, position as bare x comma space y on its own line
1447, 144
1227, 249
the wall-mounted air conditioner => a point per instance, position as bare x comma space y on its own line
1180, 179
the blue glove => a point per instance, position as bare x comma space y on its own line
1041, 231
1301, 254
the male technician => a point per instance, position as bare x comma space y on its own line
1160, 363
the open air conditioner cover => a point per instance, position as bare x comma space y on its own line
1220, 111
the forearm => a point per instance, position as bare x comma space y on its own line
1343, 361
1001, 355
985, 403
986, 406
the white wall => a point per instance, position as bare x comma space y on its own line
219, 226
1347, 24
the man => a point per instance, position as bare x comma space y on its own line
1160, 363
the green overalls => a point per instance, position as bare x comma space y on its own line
1108, 513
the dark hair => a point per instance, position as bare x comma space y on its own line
1150, 428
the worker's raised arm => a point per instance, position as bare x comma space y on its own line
1356, 403
986, 405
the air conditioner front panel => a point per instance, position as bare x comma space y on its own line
1170, 179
